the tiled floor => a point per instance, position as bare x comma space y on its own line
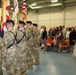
54, 64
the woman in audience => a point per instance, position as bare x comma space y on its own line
68, 33
50, 32
53, 32
41, 31
72, 39
44, 38
64, 31
59, 38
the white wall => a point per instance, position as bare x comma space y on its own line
32, 15
48, 17
51, 17
70, 16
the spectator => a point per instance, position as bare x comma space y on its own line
64, 31
54, 32
68, 33
72, 39
44, 38
50, 32
41, 30
59, 38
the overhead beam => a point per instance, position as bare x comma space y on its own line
50, 5
62, 4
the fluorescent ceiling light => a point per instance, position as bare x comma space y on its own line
33, 5
54, 0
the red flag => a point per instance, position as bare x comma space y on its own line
7, 9
5, 12
24, 11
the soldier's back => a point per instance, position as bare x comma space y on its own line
10, 51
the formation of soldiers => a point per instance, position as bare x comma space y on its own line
19, 50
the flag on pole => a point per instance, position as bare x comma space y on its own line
0, 14
24, 11
15, 13
7, 9
5, 12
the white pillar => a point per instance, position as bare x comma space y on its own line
64, 17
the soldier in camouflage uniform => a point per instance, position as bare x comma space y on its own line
9, 54
1, 44
36, 36
22, 48
30, 43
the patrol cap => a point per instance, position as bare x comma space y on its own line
34, 24
10, 21
28, 22
22, 22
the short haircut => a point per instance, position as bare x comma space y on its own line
34, 24
22, 22
11, 22
29, 22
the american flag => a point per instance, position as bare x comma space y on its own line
24, 10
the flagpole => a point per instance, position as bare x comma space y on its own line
5, 12
15, 14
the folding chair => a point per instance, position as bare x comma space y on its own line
49, 44
64, 45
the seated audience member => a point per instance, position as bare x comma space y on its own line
55, 44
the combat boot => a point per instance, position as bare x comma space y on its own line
37, 62
24, 73
30, 67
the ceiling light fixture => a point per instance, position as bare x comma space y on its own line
33, 5
54, 1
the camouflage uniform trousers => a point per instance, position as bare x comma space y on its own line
29, 56
35, 54
1, 52
0, 61
1, 44
22, 57
11, 61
